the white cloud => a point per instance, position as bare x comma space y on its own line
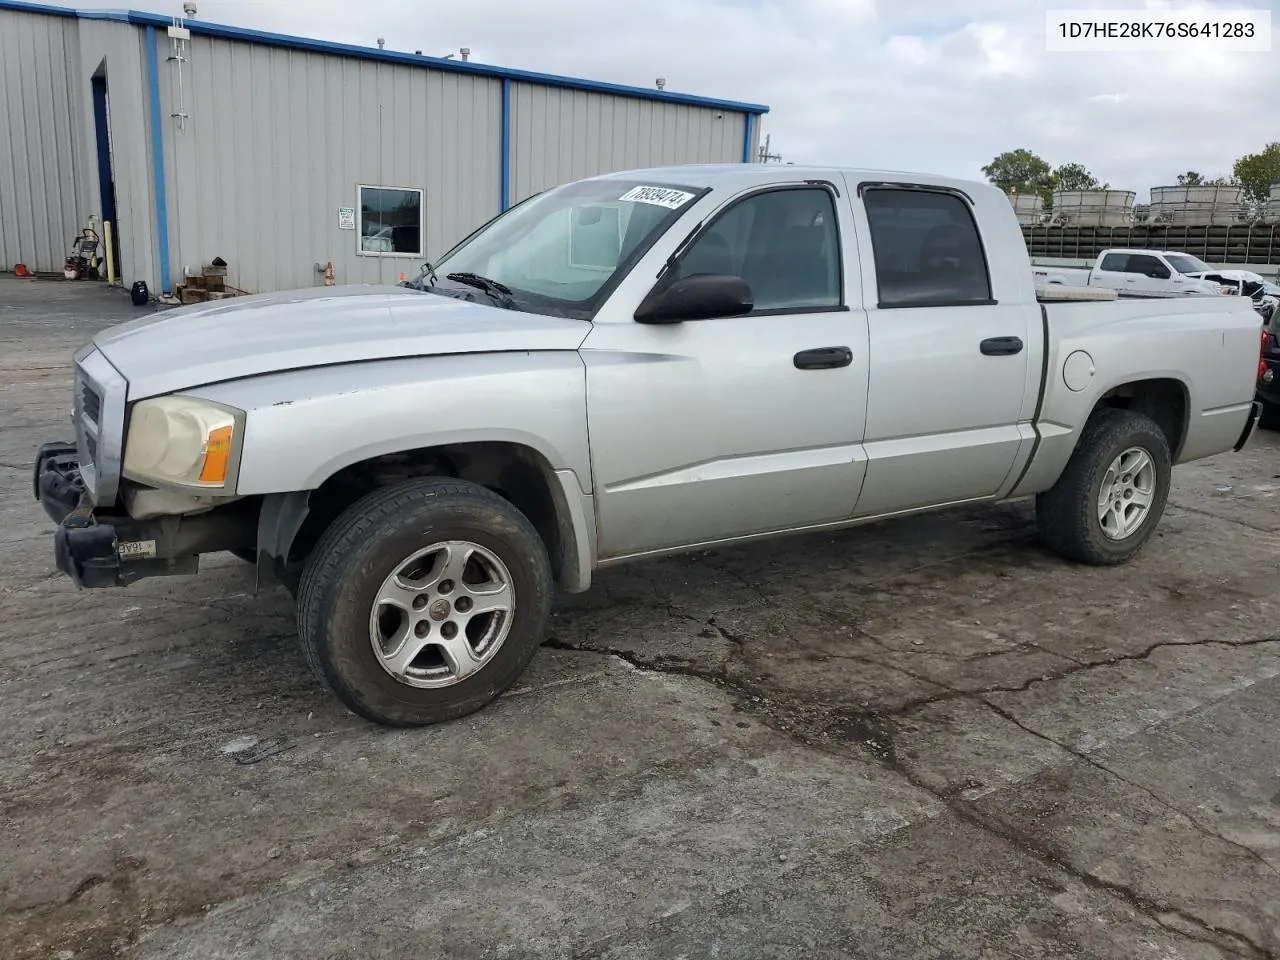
930, 85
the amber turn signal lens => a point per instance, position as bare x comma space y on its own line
217, 452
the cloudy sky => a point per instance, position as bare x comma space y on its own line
905, 84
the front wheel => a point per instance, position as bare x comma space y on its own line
1111, 495
424, 601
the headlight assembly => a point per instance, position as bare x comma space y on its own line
184, 442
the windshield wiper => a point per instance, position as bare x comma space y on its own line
499, 291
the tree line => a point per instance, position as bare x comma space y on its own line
1022, 171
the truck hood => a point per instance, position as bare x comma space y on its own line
247, 336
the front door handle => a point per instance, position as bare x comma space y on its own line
1001, 346
823, 358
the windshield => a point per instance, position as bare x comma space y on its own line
563, 251
1186, 264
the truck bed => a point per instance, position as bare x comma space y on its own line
1134, 340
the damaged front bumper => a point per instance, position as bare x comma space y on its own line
85, 550
105, 549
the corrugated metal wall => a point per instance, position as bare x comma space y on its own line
278, 139
560, 134
116, 50
43, 195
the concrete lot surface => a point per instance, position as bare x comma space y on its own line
923, 739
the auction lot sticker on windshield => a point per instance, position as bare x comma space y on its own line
658, 196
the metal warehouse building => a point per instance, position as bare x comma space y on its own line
278, 153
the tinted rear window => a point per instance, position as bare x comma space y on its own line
927, 249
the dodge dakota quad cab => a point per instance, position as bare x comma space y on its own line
619, 368
1138, 273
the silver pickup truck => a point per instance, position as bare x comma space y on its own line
621, 368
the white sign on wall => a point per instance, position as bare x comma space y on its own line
346, 218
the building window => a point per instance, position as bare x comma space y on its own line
927, 249
390, 221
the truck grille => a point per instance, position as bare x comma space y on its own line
99, 400
91, 403
88, 424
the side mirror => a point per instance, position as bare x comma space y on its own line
1157, 275
702, 297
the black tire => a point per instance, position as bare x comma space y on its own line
365, 545
1270, 419
1067, 513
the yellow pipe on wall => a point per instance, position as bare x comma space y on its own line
111, 260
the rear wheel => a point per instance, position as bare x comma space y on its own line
1112, 494
424, 601
1270, 419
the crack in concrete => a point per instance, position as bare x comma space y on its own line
81, 888
1231, 941
870, 585
1054, 653
788, 718
84, 886
1082, 666
869, 728
1217, 516
970, 658
1100, 765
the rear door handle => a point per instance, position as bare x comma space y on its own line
1001, 346
823, 358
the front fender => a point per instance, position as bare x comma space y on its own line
303, 426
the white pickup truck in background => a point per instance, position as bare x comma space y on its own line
1137, 273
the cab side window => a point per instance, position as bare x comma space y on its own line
927, 249
1147, 266
1115, 263
784, 243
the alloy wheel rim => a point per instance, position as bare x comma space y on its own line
442, 614
1126, 494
